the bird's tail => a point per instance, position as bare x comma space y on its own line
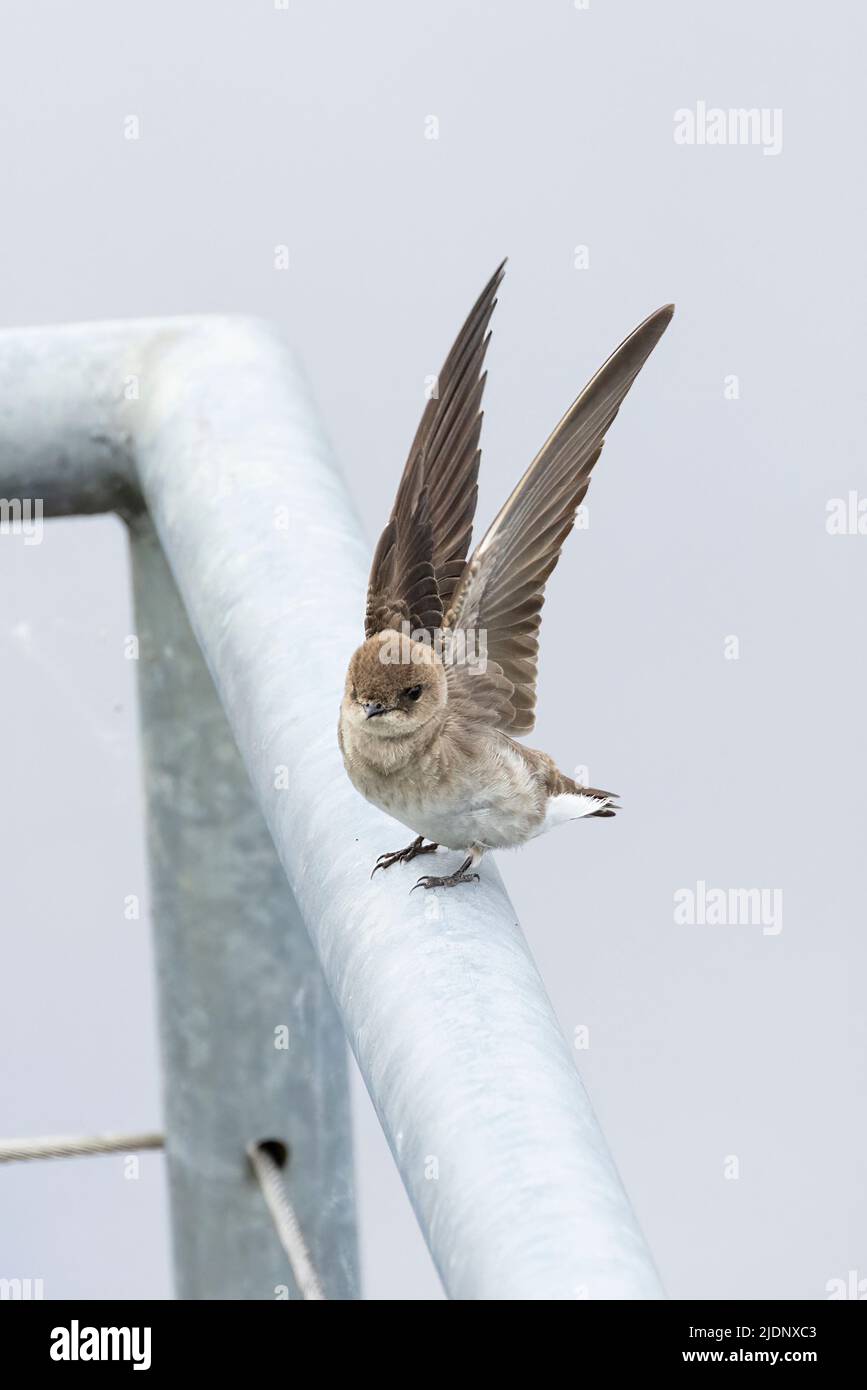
605, 802
609, 800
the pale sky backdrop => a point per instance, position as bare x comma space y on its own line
726, 1064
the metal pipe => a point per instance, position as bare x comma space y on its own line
251, 1045
474, 1083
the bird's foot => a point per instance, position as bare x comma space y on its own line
450, 880
403, 856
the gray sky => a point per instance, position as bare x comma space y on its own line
715, 1049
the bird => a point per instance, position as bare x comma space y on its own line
444, 683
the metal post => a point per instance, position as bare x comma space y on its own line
474, 1083
251, 1045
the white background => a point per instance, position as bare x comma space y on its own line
306, 127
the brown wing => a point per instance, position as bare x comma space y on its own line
503, 587
423, 550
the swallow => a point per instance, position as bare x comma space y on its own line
445, 680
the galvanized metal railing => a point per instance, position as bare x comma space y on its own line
249, 571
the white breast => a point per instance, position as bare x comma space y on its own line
494, 802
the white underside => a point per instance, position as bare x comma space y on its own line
502, 825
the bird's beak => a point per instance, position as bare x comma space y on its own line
373, 709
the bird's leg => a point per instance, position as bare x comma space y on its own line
403, 856
459, 876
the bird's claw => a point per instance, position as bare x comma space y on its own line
386, 860
450, 881
402, 856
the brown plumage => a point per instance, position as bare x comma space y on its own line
428, 721
423, 550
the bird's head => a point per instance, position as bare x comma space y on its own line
394, 685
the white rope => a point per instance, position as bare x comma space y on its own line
66, 1146
286, 1222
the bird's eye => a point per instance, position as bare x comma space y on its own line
413, 692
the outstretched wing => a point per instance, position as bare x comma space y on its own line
503, 587
423, 550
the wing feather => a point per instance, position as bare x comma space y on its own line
502, 589
422, 552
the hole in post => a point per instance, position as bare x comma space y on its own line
275, 1149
